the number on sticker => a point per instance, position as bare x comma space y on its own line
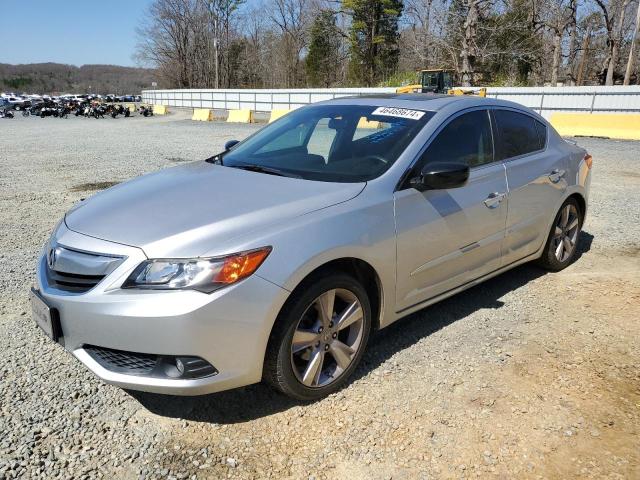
398, 112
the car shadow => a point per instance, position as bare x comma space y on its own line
255, 401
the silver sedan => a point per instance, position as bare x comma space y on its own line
275, 259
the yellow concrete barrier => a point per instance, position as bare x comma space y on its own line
277, 113
613, 125
202, 115
364, 123
160, 110
240, 116
482, 92
130, 106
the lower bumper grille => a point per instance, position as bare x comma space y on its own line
145, 364
123, 362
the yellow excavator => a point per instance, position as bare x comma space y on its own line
438, 81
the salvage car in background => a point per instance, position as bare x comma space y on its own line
276, 258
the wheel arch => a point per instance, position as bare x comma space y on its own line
582, 202
358, 268
362, 271
579, 197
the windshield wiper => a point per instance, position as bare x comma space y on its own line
262, 169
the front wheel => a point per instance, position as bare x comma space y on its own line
319, 337
561, 246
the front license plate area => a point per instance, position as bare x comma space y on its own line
45, 316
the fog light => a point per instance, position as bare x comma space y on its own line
180, 366
186, 367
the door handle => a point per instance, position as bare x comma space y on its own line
556, 175
494, 199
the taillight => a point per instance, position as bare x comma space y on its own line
588, 160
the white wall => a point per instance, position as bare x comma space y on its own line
545, 100
263, 100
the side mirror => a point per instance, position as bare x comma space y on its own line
440, 176
230, 144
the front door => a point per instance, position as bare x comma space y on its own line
446, 238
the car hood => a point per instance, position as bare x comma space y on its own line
186, 211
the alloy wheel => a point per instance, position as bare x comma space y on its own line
327, 338
566, 233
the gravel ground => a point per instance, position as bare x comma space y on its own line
528, 375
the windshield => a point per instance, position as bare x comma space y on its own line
430, 80
331, 143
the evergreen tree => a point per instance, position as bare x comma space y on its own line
322, 62
373, 39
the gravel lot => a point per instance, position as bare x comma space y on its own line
530, 375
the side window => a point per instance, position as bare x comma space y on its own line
518, 134
466, 139
542, 134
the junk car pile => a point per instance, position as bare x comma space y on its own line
88, 106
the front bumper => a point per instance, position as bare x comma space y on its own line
228, 328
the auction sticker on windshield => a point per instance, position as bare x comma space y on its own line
398, 112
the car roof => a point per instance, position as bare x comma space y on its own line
424, 101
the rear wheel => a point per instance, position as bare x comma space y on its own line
319, 337
562, 242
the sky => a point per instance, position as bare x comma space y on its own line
76, 32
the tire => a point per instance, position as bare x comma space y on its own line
565, 231
308, 370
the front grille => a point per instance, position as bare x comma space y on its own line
72, 282
76, 271
120, 361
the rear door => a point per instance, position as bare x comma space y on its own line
536, 175
446, 238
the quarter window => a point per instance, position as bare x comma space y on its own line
542, 134
466, 139
519, 134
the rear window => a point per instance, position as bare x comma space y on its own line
519, 134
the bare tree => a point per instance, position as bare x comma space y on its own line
634, 38
418, 16
469, 50
556, 16
164, 39
585, 52
291, 18
613, 13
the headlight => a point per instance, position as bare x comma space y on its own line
202, 274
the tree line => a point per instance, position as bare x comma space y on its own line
57, 78
329, 43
